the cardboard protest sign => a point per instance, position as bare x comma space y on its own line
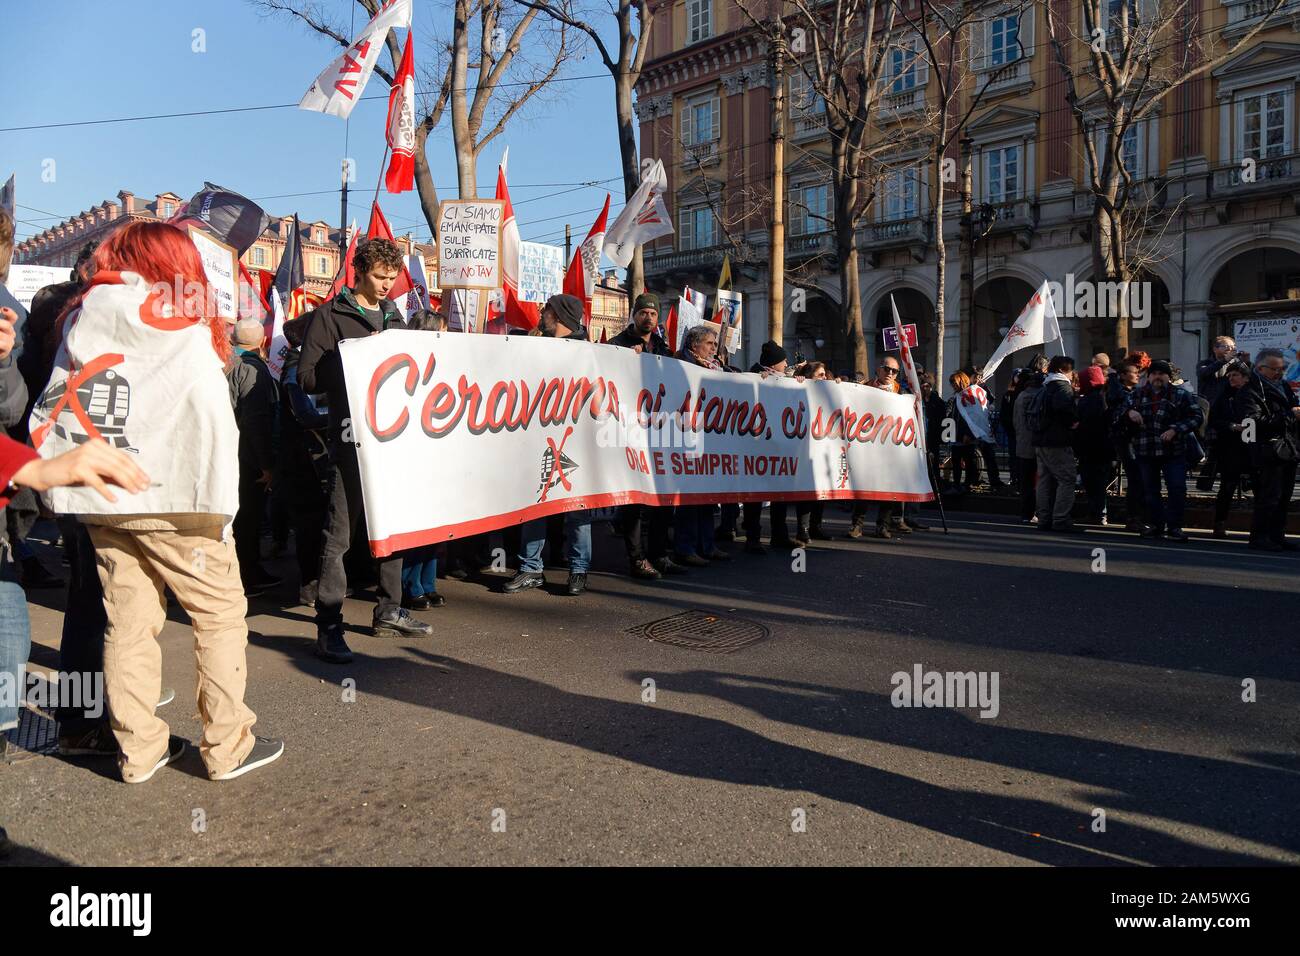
541, 272
221, 264
469, 243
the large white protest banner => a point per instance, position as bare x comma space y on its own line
469, 243
595, 426
541, 272
25, 281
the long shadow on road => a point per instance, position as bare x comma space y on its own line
706, 748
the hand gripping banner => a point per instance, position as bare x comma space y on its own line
460, 434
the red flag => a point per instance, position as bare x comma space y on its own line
580, 280
379, 229
575, 283
401, 124
516, 312
346, 277
671, 327
603, 339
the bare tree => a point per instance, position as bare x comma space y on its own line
1137, 53
634, 19
840, 46
941, 30
497, 45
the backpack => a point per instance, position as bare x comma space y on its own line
1036, 412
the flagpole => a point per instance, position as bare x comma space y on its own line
380, 181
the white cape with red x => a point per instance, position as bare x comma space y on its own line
147, 381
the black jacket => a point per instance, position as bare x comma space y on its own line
1210, 381
1059, 416
1271, 410
1092, 437
935, 409
253, 396
319, 368
629, 338
1229, 450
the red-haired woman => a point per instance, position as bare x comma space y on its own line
141, 365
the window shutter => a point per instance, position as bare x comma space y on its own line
979, 38
715, 113
1026, 32
922, 64
687, 231
686, 124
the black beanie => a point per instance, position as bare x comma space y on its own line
771, 355
568, 311
646, 300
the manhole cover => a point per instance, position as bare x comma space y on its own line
703, 631
35, 733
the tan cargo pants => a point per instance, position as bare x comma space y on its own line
201, 570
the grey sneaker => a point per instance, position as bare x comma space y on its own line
265, 750
175, 748
400, 624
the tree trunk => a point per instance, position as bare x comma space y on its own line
466, 167
940, 270
631, 172
424, 181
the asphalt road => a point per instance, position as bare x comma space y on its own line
519, 733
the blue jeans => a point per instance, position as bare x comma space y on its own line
577, 543
419, 576
15, 642
1174, 471
693, 530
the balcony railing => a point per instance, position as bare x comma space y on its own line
1244, 14
808, 124
904, 101
1003, 77
898, 232
702, 154
808, 244
1257, 175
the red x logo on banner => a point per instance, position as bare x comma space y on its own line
69, 399
557, 465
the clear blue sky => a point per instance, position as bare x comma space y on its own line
101, 59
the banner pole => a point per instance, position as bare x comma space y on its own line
938, 495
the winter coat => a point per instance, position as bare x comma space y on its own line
1270, 408
1174, 408
1229, 450
319, 367
1092, 437
253, 396
1024, 437
1060, 413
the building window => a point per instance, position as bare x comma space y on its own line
1002, 174
810, 209
900, 195
1264, 123
1133, 152
903, 67
697, 227
167, 210
700, 121
259, 256
804, 99
699, 20
322, 266
1004, 40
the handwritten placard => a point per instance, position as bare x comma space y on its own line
541, 271
221, 264
469, 243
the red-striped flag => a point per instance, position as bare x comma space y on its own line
401, 124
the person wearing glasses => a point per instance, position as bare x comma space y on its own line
1270, 410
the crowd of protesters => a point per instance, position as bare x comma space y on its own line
276, 457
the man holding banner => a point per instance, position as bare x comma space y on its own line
560, 318
361, 311
650, 562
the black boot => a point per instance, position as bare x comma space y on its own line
331, 647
